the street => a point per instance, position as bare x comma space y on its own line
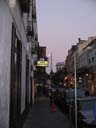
41, 116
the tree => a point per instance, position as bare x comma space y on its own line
59, 76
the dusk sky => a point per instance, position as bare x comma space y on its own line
62, 22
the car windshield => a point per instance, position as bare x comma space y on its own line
87, 104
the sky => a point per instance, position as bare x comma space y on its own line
60, 24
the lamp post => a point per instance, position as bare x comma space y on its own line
75, 90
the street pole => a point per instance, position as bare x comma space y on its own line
75, 90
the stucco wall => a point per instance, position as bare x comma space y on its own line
5, 46
91, 54
23, 80
84, 59
7, 16
21, 33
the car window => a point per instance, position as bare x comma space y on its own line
80, 93
71, 93
86, 105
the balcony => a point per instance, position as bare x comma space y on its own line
30, 31
24, 5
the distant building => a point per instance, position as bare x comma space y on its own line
85, 55
60, 66
69, 62
77, 49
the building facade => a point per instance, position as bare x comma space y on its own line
81, 55
16, 54
88, 64
60, 66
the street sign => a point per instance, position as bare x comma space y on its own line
42, 63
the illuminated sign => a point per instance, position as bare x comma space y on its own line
42, 63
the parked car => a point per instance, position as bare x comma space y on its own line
85, 114
69, 96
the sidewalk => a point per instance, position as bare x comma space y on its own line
41, 116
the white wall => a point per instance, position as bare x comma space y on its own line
5, 46
92, 54
21, 33
23, 80
7, 16
84, 59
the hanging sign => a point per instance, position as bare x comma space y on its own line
42, 63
